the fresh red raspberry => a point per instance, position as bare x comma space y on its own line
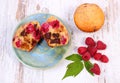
104, 59
97, 56
55, 24
45, 27
30, 28
18, 43
86, 56
101, 45
89, 41
95, 69
82, 50
92, 50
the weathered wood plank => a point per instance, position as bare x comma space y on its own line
12, 71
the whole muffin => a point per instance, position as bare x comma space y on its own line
89, 17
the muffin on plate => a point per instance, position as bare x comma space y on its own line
54, 32
89, 17
27, 36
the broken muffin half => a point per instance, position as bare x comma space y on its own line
27, 36
54, 32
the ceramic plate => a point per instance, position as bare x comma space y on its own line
42, 56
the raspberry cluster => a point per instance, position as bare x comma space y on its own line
91, 51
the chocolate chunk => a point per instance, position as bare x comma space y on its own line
48, 35
56, 35
35, 25
33, 42
23, 33
14, 39
55, 41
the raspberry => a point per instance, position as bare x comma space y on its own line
104, 59
30, 28
92, 50
101, 45
86, 56
18, 43
89, 41
82, 50
95, 69
45, 27
37, 34
54, 24
97, 56
63, 40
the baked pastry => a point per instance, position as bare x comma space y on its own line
54, 32
27, 36
89, 17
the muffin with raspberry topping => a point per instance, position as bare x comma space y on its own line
27, 36
54, 32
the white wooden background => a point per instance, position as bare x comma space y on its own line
11, 13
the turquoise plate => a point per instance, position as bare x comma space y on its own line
42, 56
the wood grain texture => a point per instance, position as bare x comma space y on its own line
13, 11
21, 9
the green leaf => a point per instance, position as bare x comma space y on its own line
73, 69
88, 66
74, 57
